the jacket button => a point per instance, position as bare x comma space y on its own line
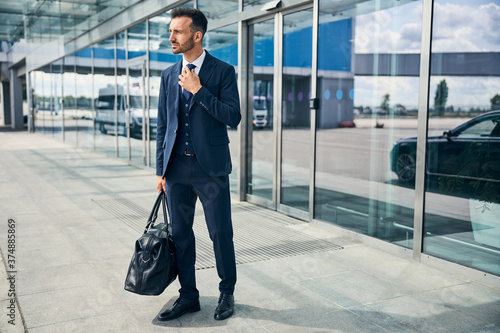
175, 132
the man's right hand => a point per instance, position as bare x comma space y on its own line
160, 184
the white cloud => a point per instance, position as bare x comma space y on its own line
395, 30
470, 27
368, 91
465, 28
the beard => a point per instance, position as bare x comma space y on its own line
188, 45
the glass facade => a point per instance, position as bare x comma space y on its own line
84, 98
57, 95
462, 206
104, 94
366, 103
222, 43
332, 113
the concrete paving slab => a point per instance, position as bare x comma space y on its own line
11, 320
50, 278
429, 312
55, 306
402, 271
307, 267
116, 321
338, 321
354, 288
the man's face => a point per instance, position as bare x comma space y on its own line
180, 35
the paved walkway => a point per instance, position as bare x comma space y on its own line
73, 244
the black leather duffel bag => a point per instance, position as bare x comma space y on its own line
153, 266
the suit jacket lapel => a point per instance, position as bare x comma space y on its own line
207, 69
175, 88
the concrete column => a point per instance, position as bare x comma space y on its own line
16, 100
6, 103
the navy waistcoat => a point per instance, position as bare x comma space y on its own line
183, 140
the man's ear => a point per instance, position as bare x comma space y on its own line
198, 36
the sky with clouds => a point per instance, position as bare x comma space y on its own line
459, 26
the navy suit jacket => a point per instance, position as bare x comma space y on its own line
214, 107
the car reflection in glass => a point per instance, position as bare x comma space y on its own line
464, 161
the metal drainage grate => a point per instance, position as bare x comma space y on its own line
259, 234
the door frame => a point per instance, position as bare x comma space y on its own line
275, 203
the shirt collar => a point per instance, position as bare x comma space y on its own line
198, 62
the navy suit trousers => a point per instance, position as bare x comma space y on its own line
185, 182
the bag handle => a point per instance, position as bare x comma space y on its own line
161, 200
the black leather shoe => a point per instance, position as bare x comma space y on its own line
225, 308
181, 306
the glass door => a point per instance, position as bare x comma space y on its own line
261, 187
295, 138
279, 131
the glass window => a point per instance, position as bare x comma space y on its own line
70, 109
56, 93
84, 98
479, 129
41, 94
218, 9
296, 115
136, 90
222, 43
368, 65
462, 207
105, 96
260, 83
248, 4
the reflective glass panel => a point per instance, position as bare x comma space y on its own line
105, 96
84, 97
296, 116
70, 109
222, 43
218, 9
260, 99
57, 99
123, 117
249, 4
57, 21
368, 66
462, 208
160, 58
41, 89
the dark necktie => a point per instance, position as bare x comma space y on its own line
186, 93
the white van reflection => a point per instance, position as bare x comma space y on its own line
105, 112
260, 111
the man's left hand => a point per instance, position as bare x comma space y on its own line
189, 80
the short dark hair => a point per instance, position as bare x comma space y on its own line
200, 22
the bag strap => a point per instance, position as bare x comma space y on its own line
161, 200
154, 212
165, 210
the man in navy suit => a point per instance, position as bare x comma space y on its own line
198, 100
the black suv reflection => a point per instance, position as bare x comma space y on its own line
469, 153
